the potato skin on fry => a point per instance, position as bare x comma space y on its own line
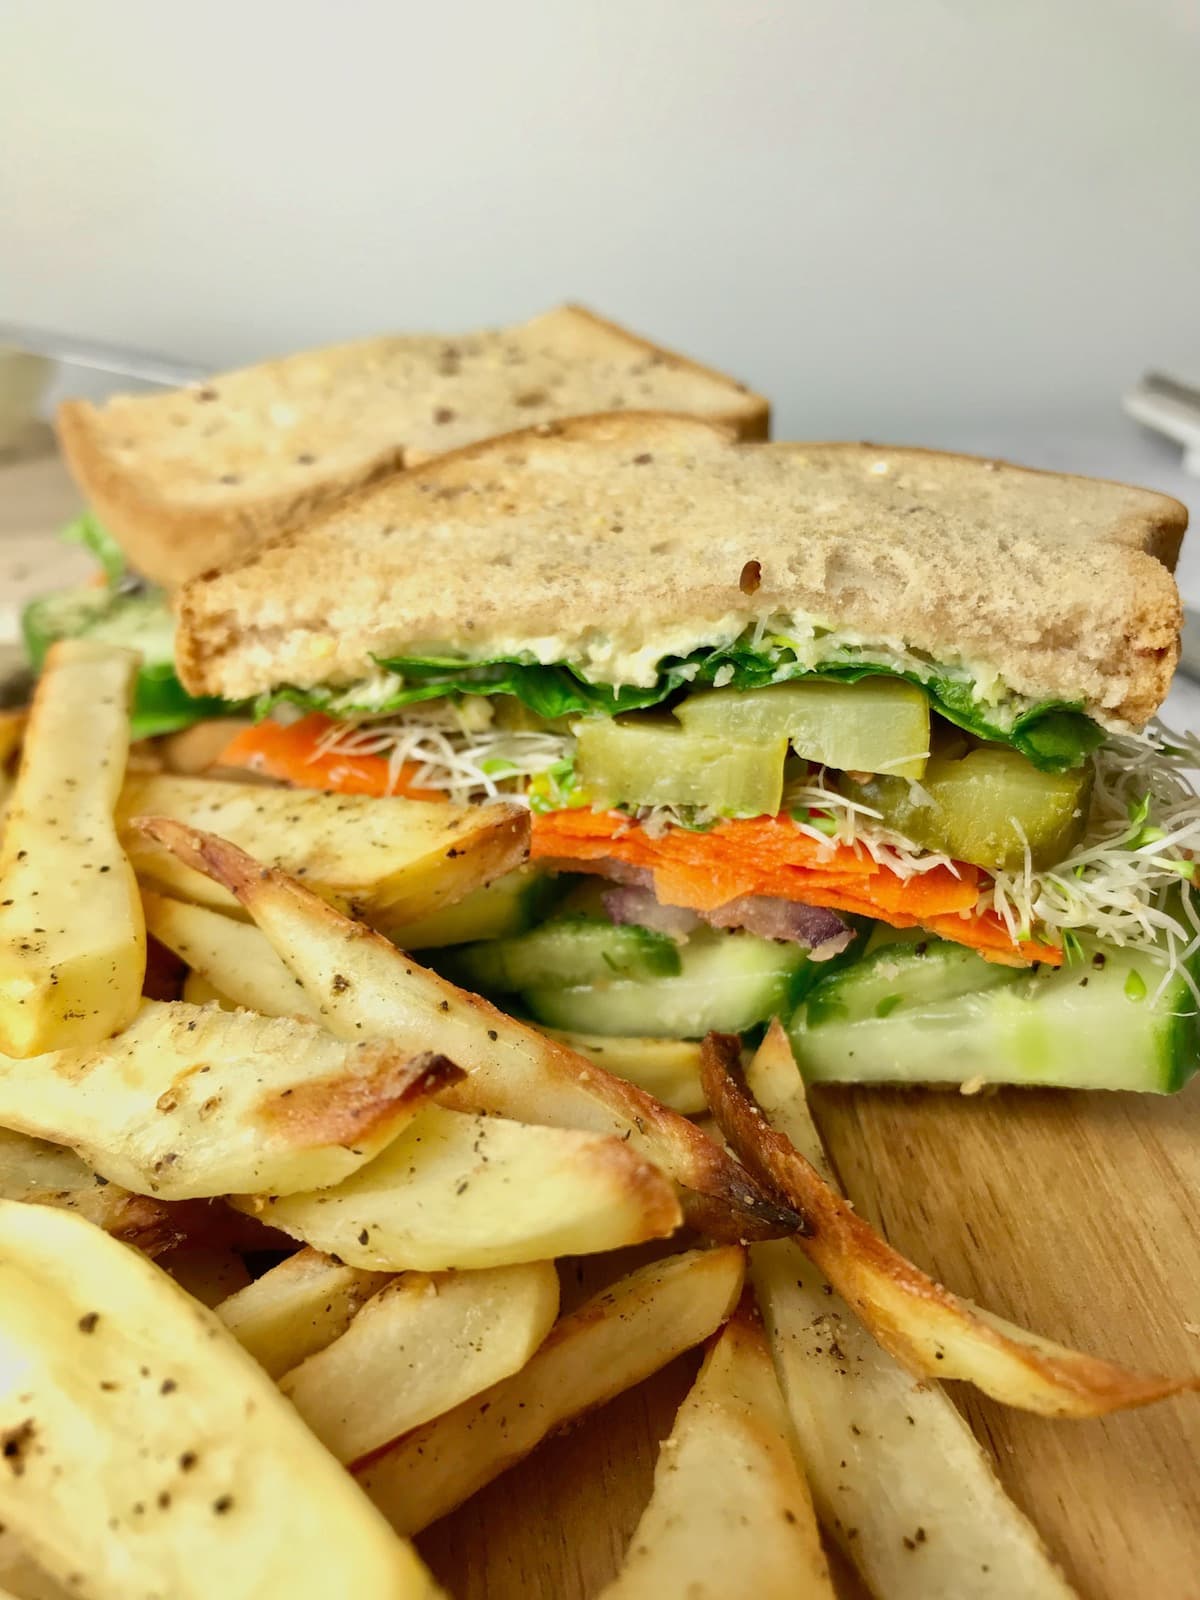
365, 987
926, 1327
389, 860
192, 1101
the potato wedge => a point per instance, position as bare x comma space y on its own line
147, 1451
192, 1101
899, 1480
454, 1190
234, 957
20, 1576
72, 939
610, 1343
668, 1069
420, 1347
389, 860
47, 1174
195, 750
730, 1512
197, 991
366, 988
918, 1321
297, 1308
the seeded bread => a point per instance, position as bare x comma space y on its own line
197, 478
603, 535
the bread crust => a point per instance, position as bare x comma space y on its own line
170, 533
632, 526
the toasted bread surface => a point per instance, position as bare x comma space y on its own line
196, 478
597, 538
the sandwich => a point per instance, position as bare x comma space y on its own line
859, 735
189, 480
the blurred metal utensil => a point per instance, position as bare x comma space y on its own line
1172, 407
68, 350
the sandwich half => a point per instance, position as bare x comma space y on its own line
881, 711
194, 479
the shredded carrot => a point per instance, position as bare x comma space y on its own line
767, 856
291, 753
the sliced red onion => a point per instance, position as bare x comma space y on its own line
821, 931
639, 906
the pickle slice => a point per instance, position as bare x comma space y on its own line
874, 725
652, 761
984, 807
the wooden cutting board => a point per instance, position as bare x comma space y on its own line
1075, 1215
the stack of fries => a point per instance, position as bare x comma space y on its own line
414, 1163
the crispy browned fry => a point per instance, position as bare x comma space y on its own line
366, 988
193, 1101
610, 1343
922, 1324
392, 860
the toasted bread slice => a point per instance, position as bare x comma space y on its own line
613, 541
195, 479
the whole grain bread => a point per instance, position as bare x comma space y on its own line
610, 533
196, 478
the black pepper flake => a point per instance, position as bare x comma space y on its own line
643, 460
443, 414
167, 1386
493, 1035
443, 1005
364, 1236
187, 1460
340, 983
87, 1323
223, 1504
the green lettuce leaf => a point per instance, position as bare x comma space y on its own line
85, 530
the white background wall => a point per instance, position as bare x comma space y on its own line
899, 217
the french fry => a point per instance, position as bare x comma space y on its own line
20, 1576
168, 1464
417, 1349
195, 750
297, 1308
193, 1101
928, 1329
365, 988
197, 991
13, 724
389, 860
454, 1190
898, 1478
610, 1343
72, 940
47, 1174
730, 1512
234, 957
668, 1069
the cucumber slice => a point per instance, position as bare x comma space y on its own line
1098, 1024
912, 971
727, 981
497, 911
568, 950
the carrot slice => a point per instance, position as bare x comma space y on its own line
291, 753
767, 856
